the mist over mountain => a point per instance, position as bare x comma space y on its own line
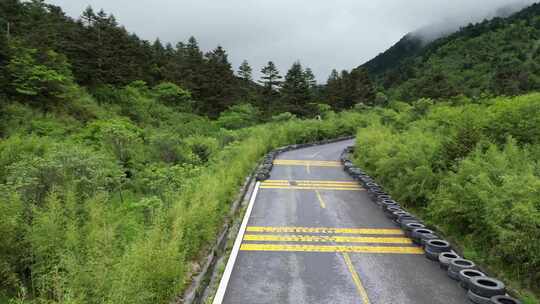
496, 56
452, 24
414, 43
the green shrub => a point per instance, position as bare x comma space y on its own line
239, 116
173, 95
285, 116
494, 198
46, 77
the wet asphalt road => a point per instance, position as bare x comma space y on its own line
289, 254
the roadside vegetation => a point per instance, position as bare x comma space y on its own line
113, 201
471, 168
115, 178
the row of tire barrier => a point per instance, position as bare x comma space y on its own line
481, 289
263, 172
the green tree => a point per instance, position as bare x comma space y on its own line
270, 77
173, 95
239, 116
46, 78
244, 71
4, 58
218, 84
310, 78
360, 89
332, 90
295, 90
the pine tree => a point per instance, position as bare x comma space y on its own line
332, 90
218, 82
358, 88
295, 90
4, 57
310, 78
244, 71
271, 77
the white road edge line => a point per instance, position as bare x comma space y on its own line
220, 293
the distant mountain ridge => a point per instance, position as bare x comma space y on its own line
496, 56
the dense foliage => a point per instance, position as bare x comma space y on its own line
494, 57
470, 168
110, 200
114, 178
92, 47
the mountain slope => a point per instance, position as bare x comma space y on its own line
497, 56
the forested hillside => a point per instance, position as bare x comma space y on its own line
97, 53
495, 57
119, 157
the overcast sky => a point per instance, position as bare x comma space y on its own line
321, 34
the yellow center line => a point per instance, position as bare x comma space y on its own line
356, 279
313, 188
306, 161
331, 248
299, 183
311, 185
321, 201
318, 163
303, 164
311, 181
325, 230
326, 238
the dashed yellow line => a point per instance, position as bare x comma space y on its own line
325, 238
331, 248
321, 201
325, 230
356, 279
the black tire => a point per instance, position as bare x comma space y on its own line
457, 265
389, 213
262, 176
405, 219
465, 277
426, 237
445, 258
438, 246
416, 235
478, 299
408, 228
434, 256
504, 300
385, 203
453, 275
396, 214
487, 287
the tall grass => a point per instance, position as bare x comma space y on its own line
473, 171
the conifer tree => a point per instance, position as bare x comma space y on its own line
244, 71
310, 78
271, 78
218, 82
295, 90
